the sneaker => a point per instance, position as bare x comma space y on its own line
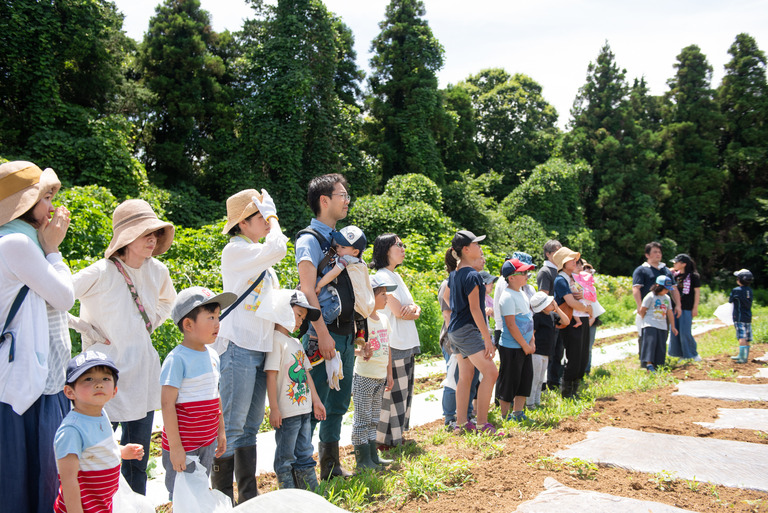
488, 429
697, 358
450, 426
466, 428
651, 368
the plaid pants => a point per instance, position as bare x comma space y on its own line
367, 394
396, 404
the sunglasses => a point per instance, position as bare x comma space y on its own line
400, 245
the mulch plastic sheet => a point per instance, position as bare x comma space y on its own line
724, 390
724, 462
558, 498
743, 418
287, 500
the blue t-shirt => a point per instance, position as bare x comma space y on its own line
515, 303
645, 275
461, 283
562, 289
741, 297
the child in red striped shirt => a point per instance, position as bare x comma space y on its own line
193, 424
87, 455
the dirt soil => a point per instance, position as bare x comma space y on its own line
517, 475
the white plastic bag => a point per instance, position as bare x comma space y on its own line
192, 494
128, 501
276, 307
724, 312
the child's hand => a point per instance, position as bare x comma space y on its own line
674, 330
367, 351
221, 444
319, 409
132, 452
179, 459
275, 419
317, 291
390, 383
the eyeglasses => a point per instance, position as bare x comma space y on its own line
523, 273
344, 195
400, 245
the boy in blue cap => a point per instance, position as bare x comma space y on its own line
741, 297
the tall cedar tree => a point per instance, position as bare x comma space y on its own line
299, 118
515, 125
690, 173
405, 105
743, 100
456, 138
182, 71
621, 201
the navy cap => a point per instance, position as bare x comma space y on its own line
88, 360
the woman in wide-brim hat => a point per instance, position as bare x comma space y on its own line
123, 298
575, 338
33, 359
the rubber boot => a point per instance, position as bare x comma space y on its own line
363, 458
743, 354
305, 478
378, 460
285, 480
568, 389
221, 476
245, 473
330, 466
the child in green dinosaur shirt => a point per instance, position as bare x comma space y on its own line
292, 399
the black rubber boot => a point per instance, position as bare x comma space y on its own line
222, 476
378, 460
330, 466
245, 473
363, 458
568, 389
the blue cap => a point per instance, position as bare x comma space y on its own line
88, 360
351, 236
666, 282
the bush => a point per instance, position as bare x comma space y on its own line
90, 228
414, 187
381, 214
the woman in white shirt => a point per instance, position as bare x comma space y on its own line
401, 312
33, 358
124, 297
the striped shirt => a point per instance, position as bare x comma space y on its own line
196, 375
90, 438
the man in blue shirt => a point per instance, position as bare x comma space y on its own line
328, 198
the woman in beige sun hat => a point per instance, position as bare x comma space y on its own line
34, 354
123, 298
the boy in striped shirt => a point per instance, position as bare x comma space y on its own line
193, 424
87, 454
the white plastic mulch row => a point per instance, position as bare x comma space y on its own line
724, 390
742, 418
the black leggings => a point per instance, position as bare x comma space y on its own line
576, 344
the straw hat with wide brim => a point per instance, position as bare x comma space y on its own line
240, 206
133, 219
22, 184
564, 255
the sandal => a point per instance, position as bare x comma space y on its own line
466, 428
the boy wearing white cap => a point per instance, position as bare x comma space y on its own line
192, 419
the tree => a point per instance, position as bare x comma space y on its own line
299, 116
691, 177
621, 197
456, 136
405, 106
743, 100
181, 69
515, 125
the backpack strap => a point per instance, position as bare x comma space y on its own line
11, 314
328, 250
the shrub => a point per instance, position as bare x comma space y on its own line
414, 187
381, 214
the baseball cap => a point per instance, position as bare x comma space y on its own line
464, 238
666, 281
300, 299
192, 297
540, 300
88, 360
351, 236
744, 275
379, 280
515, 266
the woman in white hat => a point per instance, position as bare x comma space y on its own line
33, 357
124, 297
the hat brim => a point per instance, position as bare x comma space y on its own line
545, 304
313, 313
247, 212
20, 202
224, 299
133, 233
340, 239
386, 286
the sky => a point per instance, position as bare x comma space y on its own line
551, 41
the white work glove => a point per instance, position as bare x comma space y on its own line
333, 372
266, 205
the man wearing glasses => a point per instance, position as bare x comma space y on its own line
329, 200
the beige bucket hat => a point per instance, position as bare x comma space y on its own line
564, 255
134, 218
240, 206
22, 184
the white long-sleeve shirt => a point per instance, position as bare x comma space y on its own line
108, 308
49, 280
242, 261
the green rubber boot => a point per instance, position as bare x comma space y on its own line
363, 458
378, 460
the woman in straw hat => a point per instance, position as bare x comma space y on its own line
245, 339
575, 338
123, 298
33, 356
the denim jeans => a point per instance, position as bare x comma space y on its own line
683, 345
449, 394
136, 432
293, 444
336, 402
243, 390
